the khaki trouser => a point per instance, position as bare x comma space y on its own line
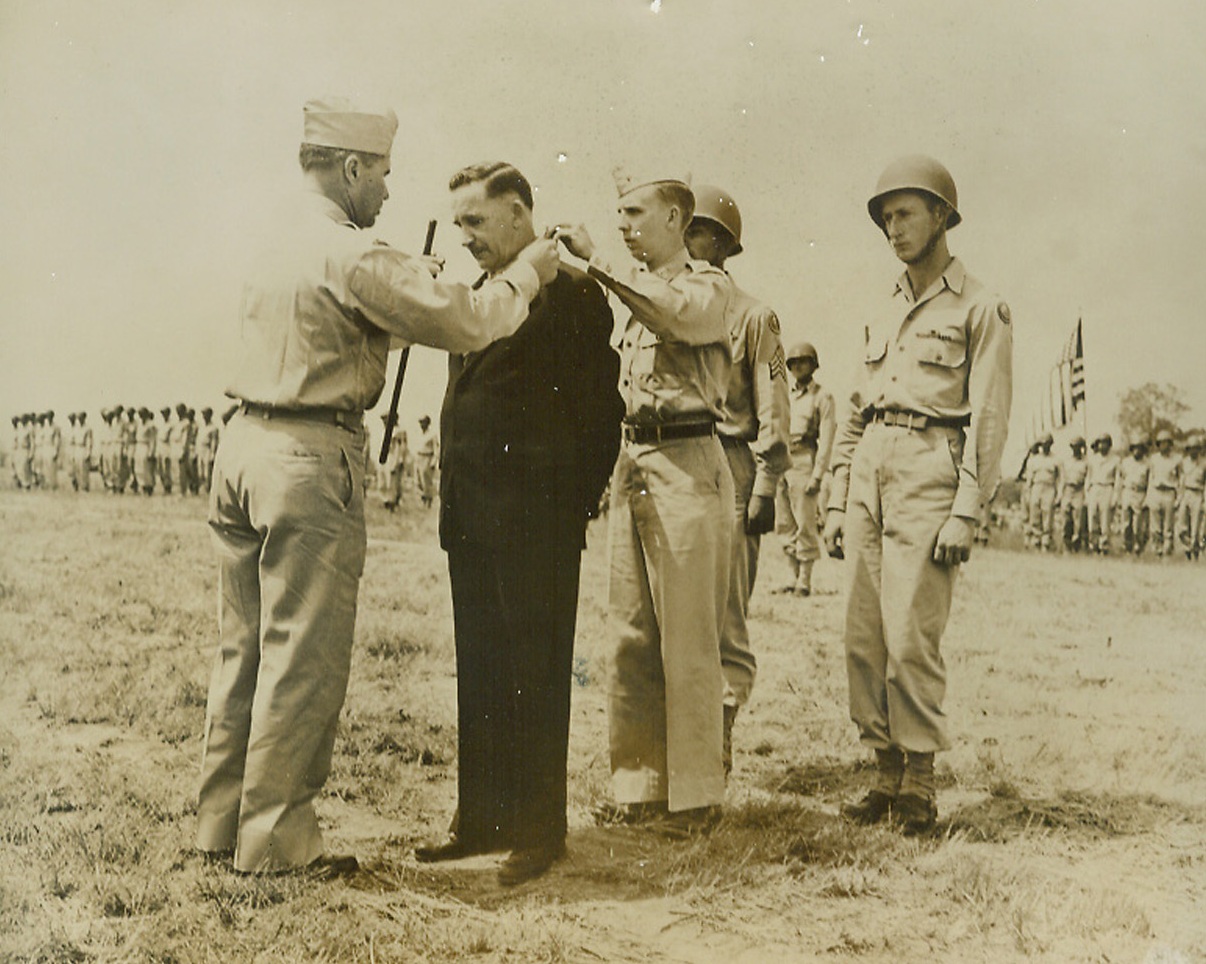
737, 659
1162, 506
797, 510
670, 528
1101, 516
1041, 514
287, 519
1190, 518
144, 469
1073, 527
902, 487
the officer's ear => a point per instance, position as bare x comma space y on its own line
352, 165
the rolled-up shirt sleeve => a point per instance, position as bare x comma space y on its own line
397, 293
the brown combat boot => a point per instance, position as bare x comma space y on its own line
916, 809
803, 585
881, 798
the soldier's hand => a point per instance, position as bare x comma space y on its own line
813, 487
954, 541
759, 516
576, 240
432, 263
835, 522
542, 255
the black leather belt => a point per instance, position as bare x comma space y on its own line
352, 421
915, 420
650, 433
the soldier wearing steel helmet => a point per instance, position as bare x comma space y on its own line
1073, 473
1101, 492
917, 457
1190, 498
1042, 489
1162, 484
813, 426
754, 433
1133, 476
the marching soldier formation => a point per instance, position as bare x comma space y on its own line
1139, 503
711, 433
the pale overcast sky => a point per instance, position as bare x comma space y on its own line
145, 141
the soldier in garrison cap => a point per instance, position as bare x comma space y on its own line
1189, 499
1163, 482
71, 442
813, 425
1133, 476
671, 509
85, 452
917, 458
1073, 474
146, 452
53, 452
754, 433
319, 310
427, 455
1102, 492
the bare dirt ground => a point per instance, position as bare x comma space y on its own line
1073, 806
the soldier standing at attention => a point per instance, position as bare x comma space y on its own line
670, 520
1044, 486
129, 438
1132, 482
207, 448
1162, 484
72, 446
287, 507
1102, 487
146, 449
754, 435
1072, 475
53, 453
1189, 501
85, 453
166, 447
917, 457
426, 456
15, 452
813, 423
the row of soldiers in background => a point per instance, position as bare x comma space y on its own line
400, 464
131, 451
1156, 499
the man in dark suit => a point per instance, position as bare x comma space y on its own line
530, 432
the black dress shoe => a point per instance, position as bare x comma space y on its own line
683, 824
454, 848
873, 808
630, 814
914, 815
529, 862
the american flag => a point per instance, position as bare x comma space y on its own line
1073, 359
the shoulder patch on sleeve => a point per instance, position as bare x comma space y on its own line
772, 322
1003, 312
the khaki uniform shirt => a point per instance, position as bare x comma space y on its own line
1165, 473
675, 355
320, 308
1073, 474
1103, 470
947, 353
1193, 474
813, 423
1133, 474
756, 406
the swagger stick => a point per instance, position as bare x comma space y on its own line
392, 419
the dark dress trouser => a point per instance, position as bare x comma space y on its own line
514, 612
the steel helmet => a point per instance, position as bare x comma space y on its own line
1047, 439
716, 205
916, 172
1163, 436
1103, 439
803, 349
1077, 443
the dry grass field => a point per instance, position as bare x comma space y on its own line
1073, 806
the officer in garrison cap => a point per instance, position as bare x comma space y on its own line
287, 508
754, 433
1101, 488
917, 457
671, 509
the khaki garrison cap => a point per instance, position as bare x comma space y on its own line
339, 122
628, 180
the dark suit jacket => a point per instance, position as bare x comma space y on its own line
529, 430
